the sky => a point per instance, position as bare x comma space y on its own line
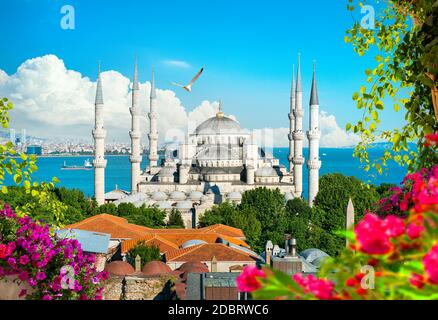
247, 48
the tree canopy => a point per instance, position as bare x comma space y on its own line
404, 44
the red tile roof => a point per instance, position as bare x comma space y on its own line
206, 252
166, 239
118, 227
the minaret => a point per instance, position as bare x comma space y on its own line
99, 134
153, 133
292, 122
313, 163
298, 134
135, 133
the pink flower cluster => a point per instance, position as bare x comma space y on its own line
28, 251
430, 262
374, 234
419, 191
247, 281
320, 288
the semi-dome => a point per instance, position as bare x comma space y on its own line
167, 172
163, 205
184, 205
191, 243
192, 266
177, 195
195, 195
154, 268
266, 172
159, 196
119, 268
218, 124
312, 255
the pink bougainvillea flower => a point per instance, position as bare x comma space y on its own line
415, 228
373, 234
22, 293
430, 263
247, 281
321, 288
431, 140
24, 259
394, 226
417, 280
3, 251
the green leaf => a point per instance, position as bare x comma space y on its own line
4, 189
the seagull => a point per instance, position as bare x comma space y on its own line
188, 87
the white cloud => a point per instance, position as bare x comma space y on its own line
53, 101
332, 135
177, 63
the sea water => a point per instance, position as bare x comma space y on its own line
118, 170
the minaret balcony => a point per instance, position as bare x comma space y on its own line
298, 113
313, 164
313, 135
153, 136
135, 134
290, 157
135, 111
298, 135
99, 133
152, 115
99, 162
290, 136
135, 159
291, 116
298, 160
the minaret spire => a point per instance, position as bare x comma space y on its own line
99, 134
153, 132
313, 163
298, 135
135, 133
314, 93
292, 121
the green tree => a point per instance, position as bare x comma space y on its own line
147, 253
405, 76
231, 215
268, 206
330, 207
298, 223
175, 219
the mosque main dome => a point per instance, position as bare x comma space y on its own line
219, 125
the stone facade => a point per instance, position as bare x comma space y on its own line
139, 288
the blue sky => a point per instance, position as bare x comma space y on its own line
247, 48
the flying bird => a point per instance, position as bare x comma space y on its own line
188, 87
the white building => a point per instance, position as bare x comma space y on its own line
217, 162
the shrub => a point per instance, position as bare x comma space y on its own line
55, 268
147, 253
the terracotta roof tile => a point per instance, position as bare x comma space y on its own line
206, 252
118, 227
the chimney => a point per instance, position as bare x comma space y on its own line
137, 263
287, 247
293, 246
214, 264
